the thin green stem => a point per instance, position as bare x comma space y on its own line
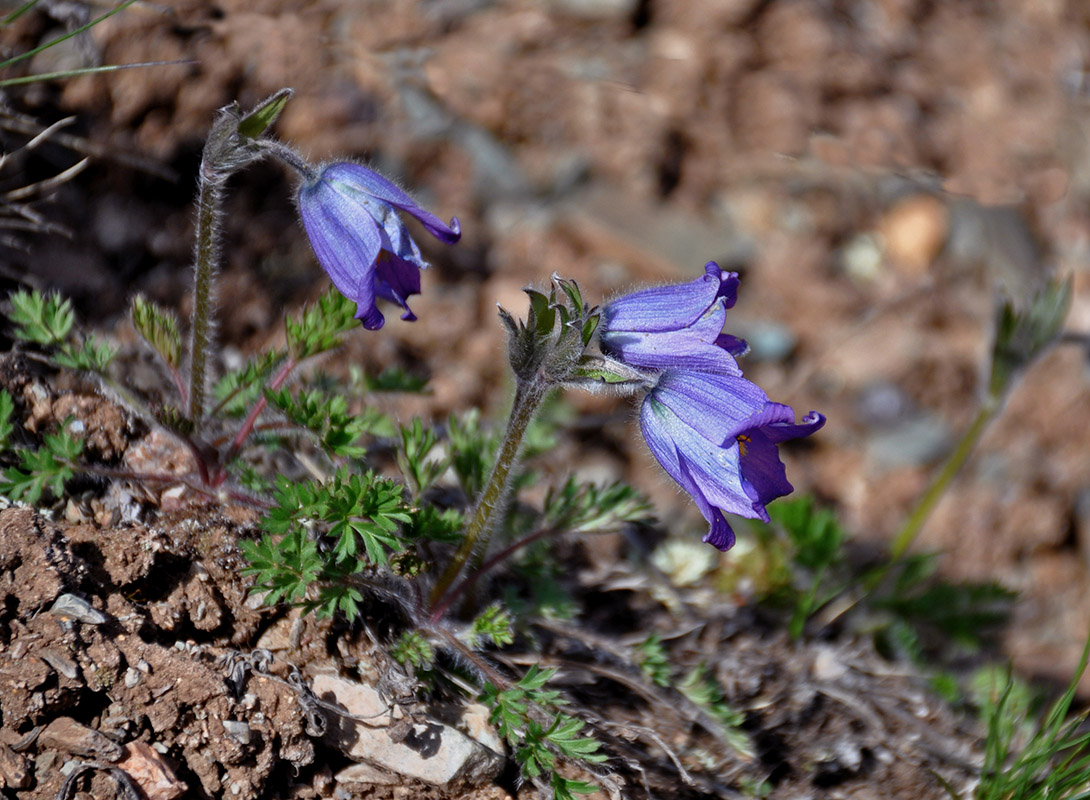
209, 199
924, 506
528, 397
72, 73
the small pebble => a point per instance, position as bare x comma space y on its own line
72, 607
237, 730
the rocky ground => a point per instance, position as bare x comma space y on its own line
879, 172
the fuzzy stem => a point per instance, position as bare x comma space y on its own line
922, 510
209, 201
528, 397
290, 157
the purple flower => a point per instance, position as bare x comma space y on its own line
350, 215
679, 327
716, 435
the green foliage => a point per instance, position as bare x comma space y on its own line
391, 379
1055, 761
238, 390
472, 451
1021, 335
160, 329
53, 42
552, 339
412, 648
428, 523
493, 625
525, 716
920, 603
328, 418
350, 516
815, 545
965, 612
47, 468
89, 355
703, 690
588, 508
48, 320
14, 15
653, 660
264, 114
45, 320
320, 327
417, 442
541, 575
7, 408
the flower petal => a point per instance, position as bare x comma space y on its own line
396, 280
694, 347
785, 430
669, 308
710, 473
718, 406
369, 181
763, 474
346, 241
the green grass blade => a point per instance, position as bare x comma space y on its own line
71, 73
76, 32
14, 15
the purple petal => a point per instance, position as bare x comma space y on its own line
396, 280
784, 429
710, 473
718, 406
693, 347
732, 344
764, 475
369, 181
346, 241
670, 308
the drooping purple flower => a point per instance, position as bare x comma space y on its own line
716, 435
679, 326
350, 216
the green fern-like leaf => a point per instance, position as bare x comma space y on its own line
45, 320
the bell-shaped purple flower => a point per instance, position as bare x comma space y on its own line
716, 435
678, 326
351, 217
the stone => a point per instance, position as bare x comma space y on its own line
68, 736
151, 772
13, 769
430, 751
238, 730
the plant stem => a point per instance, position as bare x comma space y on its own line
528, 397
209, 200
920, 512
448, 600
248, 425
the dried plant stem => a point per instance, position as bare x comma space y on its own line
490, 505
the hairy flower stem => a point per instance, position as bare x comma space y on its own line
528, 397
209, 203
924, 506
